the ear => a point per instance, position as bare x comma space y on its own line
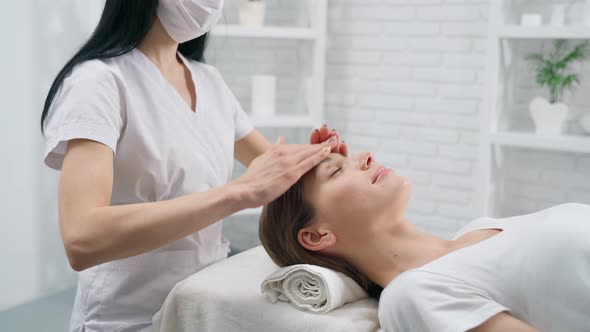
314, 239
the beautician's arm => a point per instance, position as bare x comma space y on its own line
250, 147
504, 322
95, 232
254, 144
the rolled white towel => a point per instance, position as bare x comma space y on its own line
311, 288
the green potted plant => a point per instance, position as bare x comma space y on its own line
252, 12
553, 72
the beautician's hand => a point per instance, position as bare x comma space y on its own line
323, 134
276, 170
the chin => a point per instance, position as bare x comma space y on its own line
400, 191
400, 184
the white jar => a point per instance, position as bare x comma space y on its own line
263, 95
252, 12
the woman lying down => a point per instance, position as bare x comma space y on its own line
523, 273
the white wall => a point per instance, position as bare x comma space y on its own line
37, 38
19, 252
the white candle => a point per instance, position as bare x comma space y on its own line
531, 20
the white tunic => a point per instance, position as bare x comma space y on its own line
162, 150
537, 269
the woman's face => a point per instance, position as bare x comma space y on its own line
354, 197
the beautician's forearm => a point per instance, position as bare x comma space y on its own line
116, 232
250, 147
504, 322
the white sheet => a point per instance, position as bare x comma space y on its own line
226, 297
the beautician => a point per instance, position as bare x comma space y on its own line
145, 135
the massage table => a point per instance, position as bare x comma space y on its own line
226, 297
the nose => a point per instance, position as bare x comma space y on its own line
365, 160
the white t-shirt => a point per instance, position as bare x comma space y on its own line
537, 269
162, 150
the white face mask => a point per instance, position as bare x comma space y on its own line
185, 20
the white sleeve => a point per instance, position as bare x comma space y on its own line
242, 122
424, 301
87, 105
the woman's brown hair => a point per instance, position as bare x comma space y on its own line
280, 222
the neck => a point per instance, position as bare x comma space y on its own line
159, 47
400, 249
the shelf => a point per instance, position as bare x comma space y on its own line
265, 32
571, 143
283, 121
249, 212
544, 32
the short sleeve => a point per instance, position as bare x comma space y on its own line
425, 301
242, 122
87, 105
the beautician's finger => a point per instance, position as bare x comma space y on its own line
324, 132
333, 133
312, 161
312, 150
280, 140
344, 148
315, 137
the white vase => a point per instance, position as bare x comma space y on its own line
548, 118
252, 12
585, 122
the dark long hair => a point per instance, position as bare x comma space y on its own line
122, 26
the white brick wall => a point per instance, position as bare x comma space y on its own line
405, 79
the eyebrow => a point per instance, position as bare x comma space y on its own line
327, 159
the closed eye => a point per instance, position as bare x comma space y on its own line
338, 170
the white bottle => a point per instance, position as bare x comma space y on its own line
558, 15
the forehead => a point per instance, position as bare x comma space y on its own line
330, 159
310, 179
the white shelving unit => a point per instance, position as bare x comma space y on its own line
492, 139
543, 32
315, 34
230, 30
570, 143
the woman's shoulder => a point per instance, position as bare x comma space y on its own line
475, 224
96, 71
417, 287
412, 281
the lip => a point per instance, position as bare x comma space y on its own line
381, 171
376, 174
